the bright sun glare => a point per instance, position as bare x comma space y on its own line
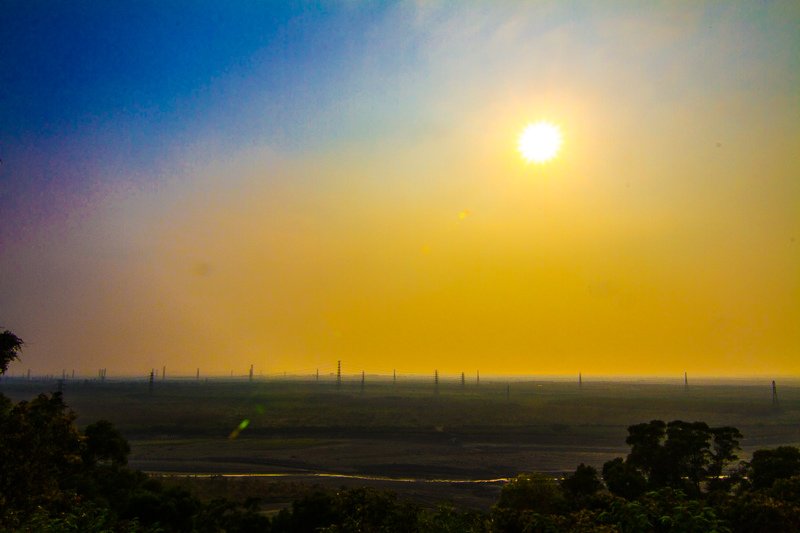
540, 142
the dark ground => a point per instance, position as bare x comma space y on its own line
418, 442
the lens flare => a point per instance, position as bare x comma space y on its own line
241, 427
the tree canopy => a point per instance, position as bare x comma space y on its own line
678, 454
10, 348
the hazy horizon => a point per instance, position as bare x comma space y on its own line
288, 185
446, 378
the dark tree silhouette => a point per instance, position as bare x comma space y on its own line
687, 449
39, 452
623, 479
767, 466
583, 482
532, 492
10, 347
726, 442
679, 455
103, 443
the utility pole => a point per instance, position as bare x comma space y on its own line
152, 378
436, 380
197, 376
250, 376
685, 381
478, 377
580, 380
394, 377
463, 382
362, 382
774, 394
339, 374
163, 373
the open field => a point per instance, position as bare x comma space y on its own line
407, 432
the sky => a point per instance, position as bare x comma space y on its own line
289, 184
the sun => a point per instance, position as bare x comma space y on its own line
540, 142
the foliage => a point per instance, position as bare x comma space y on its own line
786, 489
761, 512
532, 492
516, 521
224, 515
103, 443
357, 509
724, 447
767, 466
446, 519
10, 348
171, 508
309, 513
624, 479
582, 483
677, 454
39, 453
664, 510
81, 518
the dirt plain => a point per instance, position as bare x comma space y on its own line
276, 439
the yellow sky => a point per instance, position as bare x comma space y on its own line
664, 237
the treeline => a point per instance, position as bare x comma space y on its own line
678, 476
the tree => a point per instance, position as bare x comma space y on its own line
758, 511
647, 451
39, 452
687, 455
623, 479
532, 492
104, 443
726, 442
10, 348
678, 455
767, 466
581, 483
723, 452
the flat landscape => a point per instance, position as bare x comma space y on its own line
453, 442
